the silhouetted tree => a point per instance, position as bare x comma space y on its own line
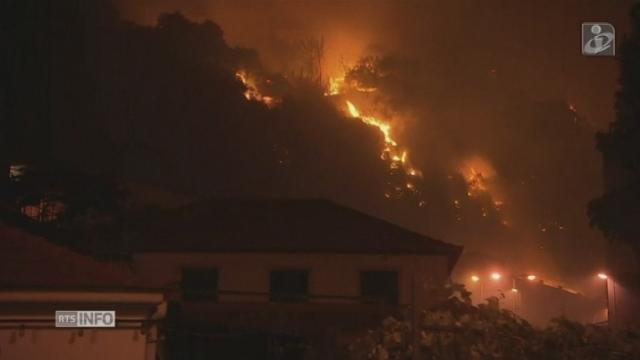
616, 213
23, 83
451, 328
72, 208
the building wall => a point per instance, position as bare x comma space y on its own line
28, 329
540, 303
58, 344
330, 274
624, 302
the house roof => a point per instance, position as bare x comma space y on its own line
29, 261
279, 225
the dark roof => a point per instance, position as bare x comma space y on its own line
27, 261
279, 225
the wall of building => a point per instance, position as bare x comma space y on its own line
330, 274
624, 302
331, 318
52, 344
540, 303
28, 329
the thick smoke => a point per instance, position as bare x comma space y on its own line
489, 98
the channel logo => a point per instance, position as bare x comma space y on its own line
598, 39
86, 319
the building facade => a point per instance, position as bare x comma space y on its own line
38, 278
297, 278
231, 279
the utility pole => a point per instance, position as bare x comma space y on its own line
606, 294
415, 328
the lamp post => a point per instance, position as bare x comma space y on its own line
476, 279
514, 293
605, 278
517, 294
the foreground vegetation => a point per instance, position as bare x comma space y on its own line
456, 329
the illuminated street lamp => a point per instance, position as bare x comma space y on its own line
496, 276
517, 295
603, 276
476, 279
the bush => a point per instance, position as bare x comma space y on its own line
454, 328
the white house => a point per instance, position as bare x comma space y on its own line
277, 273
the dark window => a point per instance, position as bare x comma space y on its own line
379, 287
289, 285
199, 284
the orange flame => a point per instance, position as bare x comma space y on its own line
384, 127
335, 86
399, 158
479, 176
252, 93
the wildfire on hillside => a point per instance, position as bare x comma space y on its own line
480, 175
397, 156
404, 176
252, 93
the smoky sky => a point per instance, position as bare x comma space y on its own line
487, 79
537, 42
499, 86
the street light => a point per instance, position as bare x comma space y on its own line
605, 278
476, 279
496, 276
531, 277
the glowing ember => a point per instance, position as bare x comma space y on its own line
365, 89
479, 176
477, 173
335, 86
338, 84
252, 93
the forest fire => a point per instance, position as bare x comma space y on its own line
398, 158
478, 175
404, 179
335, 86
252, 93
392, 152
384, 128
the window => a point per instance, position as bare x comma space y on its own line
289, 285
379, 287
199, 284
